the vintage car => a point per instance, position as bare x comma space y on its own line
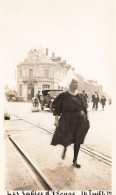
48, 95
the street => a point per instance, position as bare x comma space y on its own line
35, 143
98, 137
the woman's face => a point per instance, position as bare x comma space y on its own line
74, 84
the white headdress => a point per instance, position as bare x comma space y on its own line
68, 79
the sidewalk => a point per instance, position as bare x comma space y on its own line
93, 174
13, 175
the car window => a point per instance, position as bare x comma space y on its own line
44, 93
51, 93
54, 93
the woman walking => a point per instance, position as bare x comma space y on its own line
71, 119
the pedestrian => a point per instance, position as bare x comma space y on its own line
85, 97
103, 102
110, 101
71, 119
35, 102
38, 95
40, 98
95, 99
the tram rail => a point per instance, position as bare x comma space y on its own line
40, 179
101, 157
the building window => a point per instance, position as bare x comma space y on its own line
30, 73
46, 73
46, 86
20, 90
20, 73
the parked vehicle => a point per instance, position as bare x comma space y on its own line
48, 96
6, 116
11, 98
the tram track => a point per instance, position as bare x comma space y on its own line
100, 156
40, 179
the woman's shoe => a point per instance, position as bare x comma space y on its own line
75, 164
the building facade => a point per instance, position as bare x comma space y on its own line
39, 72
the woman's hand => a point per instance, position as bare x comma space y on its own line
82, 113
56, 123
85, 117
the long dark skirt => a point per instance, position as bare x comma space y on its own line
72, 129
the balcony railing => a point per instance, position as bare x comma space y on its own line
27, 79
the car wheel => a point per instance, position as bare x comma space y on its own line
50, 105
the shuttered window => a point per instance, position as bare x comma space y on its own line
46, 86
30, 73
46, 73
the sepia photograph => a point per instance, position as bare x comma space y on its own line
57, 97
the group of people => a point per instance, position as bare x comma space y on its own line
96, 99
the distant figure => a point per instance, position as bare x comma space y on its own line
85, 98
39, 97
95, 100
110, 101
35, 102
93, 97
103, 102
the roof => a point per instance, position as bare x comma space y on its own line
37, 56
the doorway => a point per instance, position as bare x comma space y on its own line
30, 91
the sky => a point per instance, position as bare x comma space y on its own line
80, 31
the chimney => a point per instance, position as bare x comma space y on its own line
46, 51
53, 54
